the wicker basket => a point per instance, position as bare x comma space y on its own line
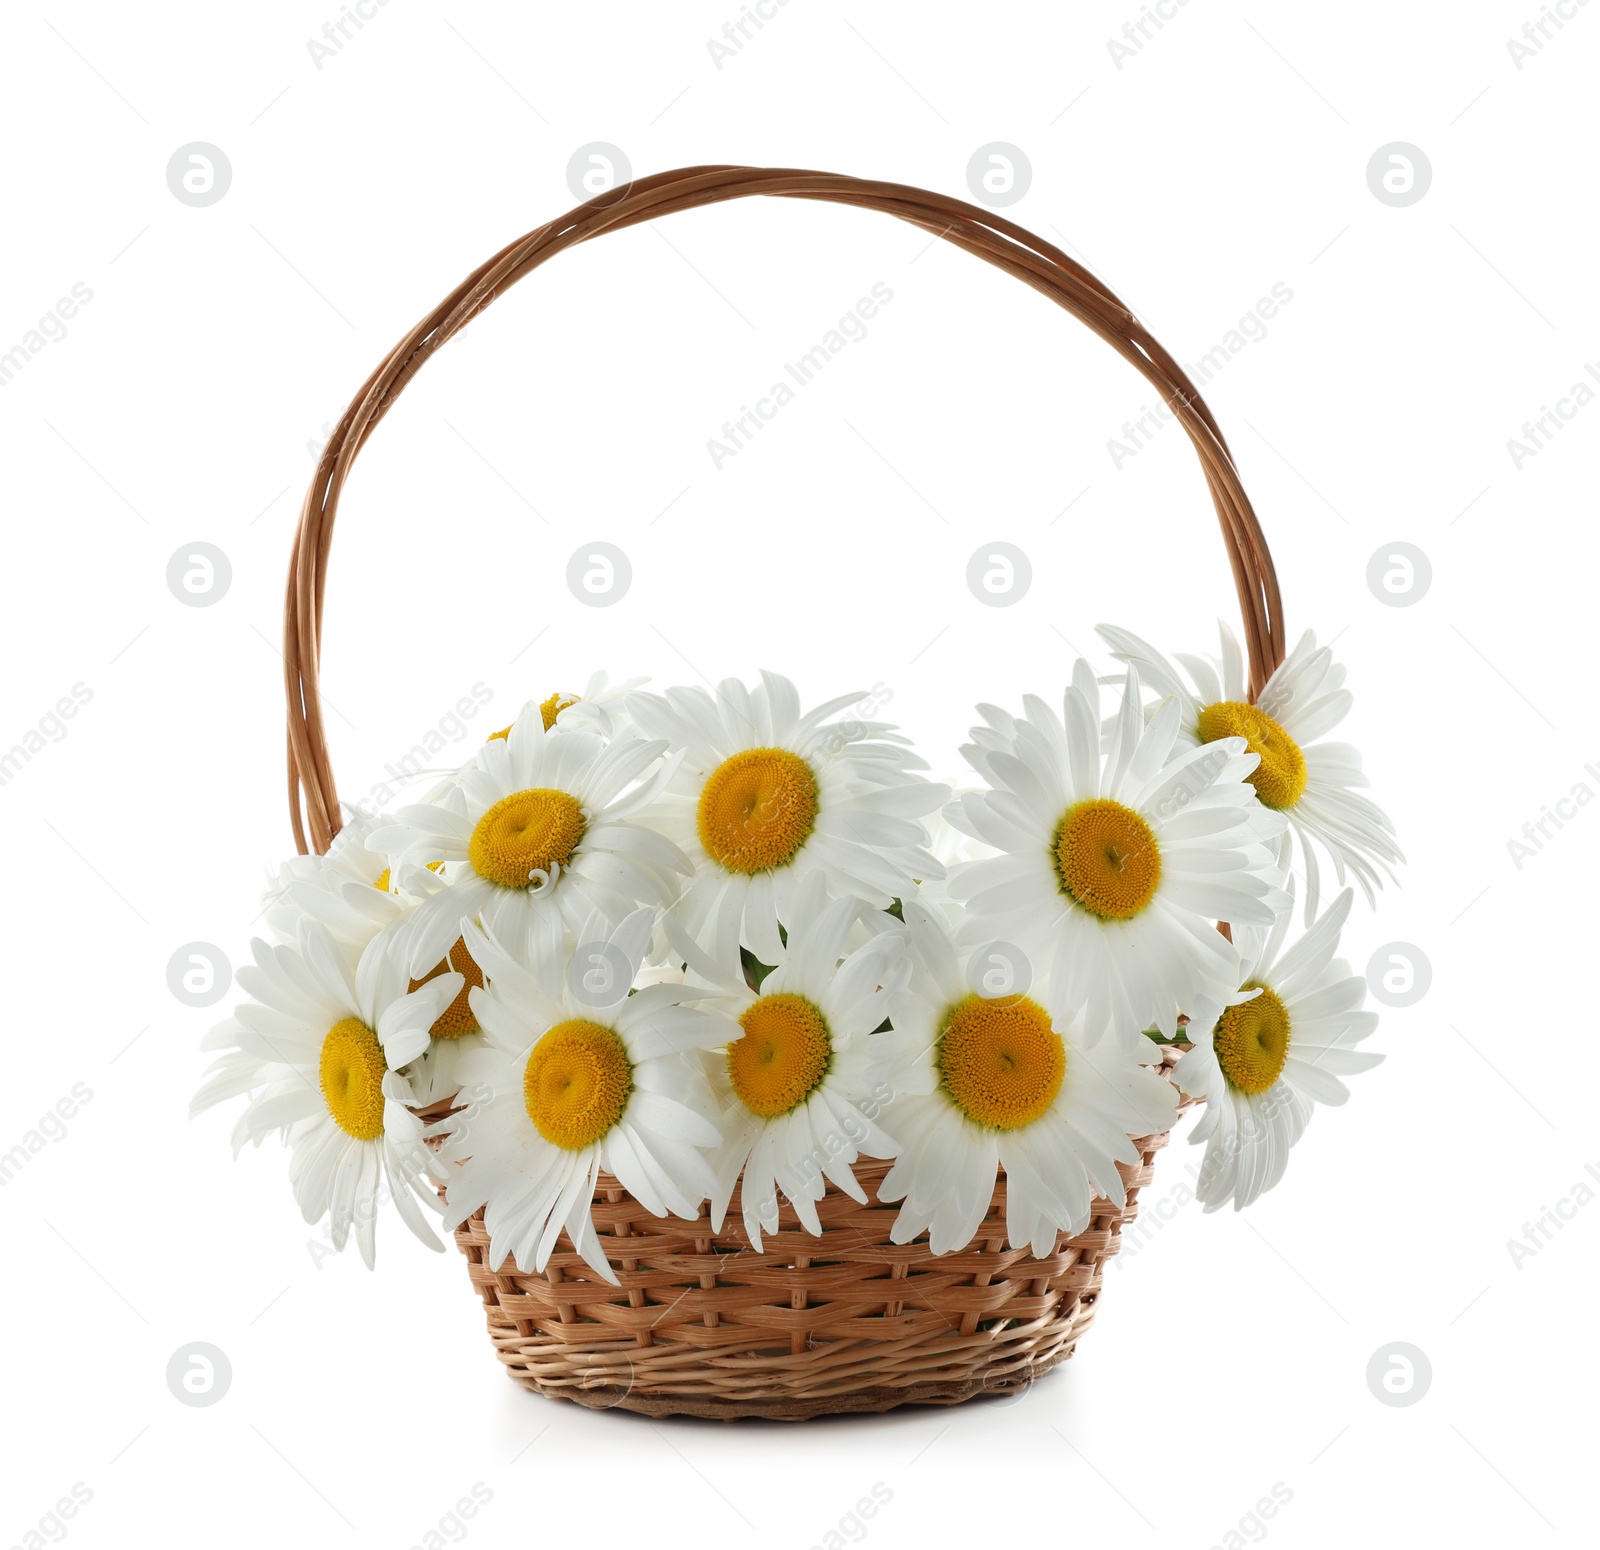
702, 1324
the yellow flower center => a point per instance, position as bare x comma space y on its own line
1252, 1042
548, 711
551, 708
1280, 777
382, 881
525, 833
351, 1069
1001, 1062
1107, 859
783, 1054
577, 1083
757, 809
456, 1020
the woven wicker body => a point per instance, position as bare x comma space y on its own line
704, 1325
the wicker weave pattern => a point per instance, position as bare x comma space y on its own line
704, 1325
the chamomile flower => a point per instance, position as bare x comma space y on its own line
1281, 1046
767, 795
797, 1080
534, 839
1311, 782
570, 1083
1006, 1082
354, 892
350, 889
951, 847
435, 1074
599, 707
1117, 857
315, 1046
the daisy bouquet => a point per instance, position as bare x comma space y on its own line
756, 1072
697, 943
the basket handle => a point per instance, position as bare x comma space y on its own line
981, 232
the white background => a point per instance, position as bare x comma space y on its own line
185, 402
